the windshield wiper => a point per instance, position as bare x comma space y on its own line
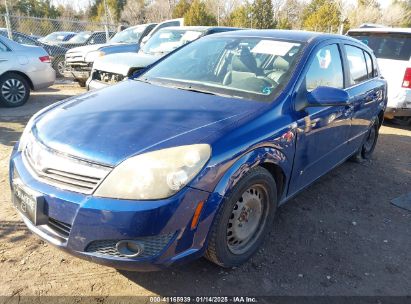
145, 80
194, 90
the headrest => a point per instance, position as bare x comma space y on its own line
281, 64
244, 62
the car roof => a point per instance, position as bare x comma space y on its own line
195, 28
382, 30
295, 35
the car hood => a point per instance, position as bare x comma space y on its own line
110, 125
122, 63
83, 50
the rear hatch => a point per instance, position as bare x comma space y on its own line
393, 51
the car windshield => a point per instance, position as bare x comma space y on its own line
56, 36
395, 46
130, 35
166, 40
250, 68
80, 37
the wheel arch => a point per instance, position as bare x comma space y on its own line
269, 158
22, 75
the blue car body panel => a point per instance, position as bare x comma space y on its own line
117, 123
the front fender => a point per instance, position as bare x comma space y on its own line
252, 159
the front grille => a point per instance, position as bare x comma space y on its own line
107, 77
62, 171
152, 246
61, 228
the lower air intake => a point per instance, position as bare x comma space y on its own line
152, 246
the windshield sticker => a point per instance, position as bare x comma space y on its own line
324, 58
165, 35
190, 35
270, 47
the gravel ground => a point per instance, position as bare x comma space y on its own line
341, 236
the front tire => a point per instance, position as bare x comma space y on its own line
14, 90
243, 220
82, 83
59, 66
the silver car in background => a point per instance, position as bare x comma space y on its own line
22, 68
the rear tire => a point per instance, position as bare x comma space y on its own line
243, 220
368, 146
14, 90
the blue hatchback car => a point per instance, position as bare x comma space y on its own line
193, 156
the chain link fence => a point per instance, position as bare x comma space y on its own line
36, 31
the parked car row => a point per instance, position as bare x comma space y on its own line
193, 155
94, 62
113, 68
79, 60
58, 43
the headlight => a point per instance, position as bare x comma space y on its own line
25, 135
155, 175
90, 57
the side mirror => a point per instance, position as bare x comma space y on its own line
327, 97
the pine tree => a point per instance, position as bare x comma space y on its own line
199, 15
240, 17
263, 15
181, 9
322, 16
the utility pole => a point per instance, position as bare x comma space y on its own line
106, 25
218, 12
7, 17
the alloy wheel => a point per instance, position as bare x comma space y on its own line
13, 90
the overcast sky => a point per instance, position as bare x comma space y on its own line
80, 4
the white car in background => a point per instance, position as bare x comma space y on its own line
22, 68
392, 47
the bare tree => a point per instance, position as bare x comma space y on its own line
364, 14
159, 10
394, 15
134, 12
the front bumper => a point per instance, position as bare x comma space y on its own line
391, 113
399, 104
93, 225
78, 70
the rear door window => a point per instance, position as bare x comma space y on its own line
357, 65
395, 46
